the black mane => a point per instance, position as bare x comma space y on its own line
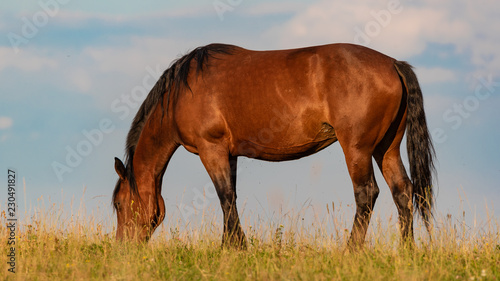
168, 86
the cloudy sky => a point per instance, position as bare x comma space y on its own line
67, 66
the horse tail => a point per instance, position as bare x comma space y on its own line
421, 152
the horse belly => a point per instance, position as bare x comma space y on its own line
287, 145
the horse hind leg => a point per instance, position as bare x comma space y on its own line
222, 170
402, 191
365, 192
388, 158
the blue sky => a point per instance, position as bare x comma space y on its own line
66, 67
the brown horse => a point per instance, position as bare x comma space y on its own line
222, 101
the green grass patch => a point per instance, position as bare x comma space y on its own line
50, 246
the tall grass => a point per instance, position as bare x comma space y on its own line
56, 244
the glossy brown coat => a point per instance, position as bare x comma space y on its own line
222, 101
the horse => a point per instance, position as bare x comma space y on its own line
222, 101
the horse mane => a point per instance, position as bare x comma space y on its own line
168, 86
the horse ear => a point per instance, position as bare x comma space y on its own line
120, 169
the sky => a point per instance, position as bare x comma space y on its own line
73, 74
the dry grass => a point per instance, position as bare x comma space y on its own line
54, 244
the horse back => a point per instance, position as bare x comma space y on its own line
285, 104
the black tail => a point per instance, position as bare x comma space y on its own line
418, 143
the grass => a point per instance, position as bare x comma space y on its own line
54, 245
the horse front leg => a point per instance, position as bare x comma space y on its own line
222, 170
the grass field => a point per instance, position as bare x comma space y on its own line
53, 245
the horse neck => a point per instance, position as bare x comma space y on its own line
153, 152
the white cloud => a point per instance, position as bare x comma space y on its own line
141, 52
273, 8
27, 60
5, 122
73, 17
435, 75
81, 79
34, 135
108, 72
436, 104
322, 22
402, 32
4, 137
104, 72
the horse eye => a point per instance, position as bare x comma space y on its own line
117, 205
